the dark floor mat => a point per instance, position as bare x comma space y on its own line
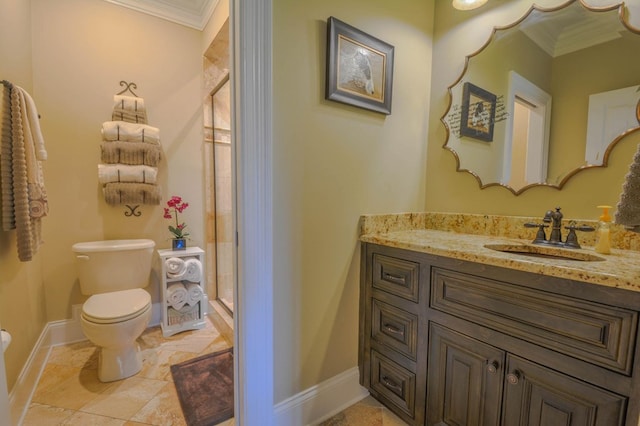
205, 388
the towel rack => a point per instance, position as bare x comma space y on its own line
132, 209
128, 87
131, 111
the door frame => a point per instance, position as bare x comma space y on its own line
251, 95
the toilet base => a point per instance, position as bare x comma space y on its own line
119, 363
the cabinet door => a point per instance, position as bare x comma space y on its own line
465, 380
538, 396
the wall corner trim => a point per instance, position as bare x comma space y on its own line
322, 401
54, 333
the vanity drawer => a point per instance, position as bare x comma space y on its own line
394, 383
394, 328
396, 276
597, 333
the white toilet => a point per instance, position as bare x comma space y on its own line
114, 273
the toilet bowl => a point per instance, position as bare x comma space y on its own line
113, 273
113, 321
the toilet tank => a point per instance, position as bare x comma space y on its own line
113, 265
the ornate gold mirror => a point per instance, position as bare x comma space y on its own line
546, 97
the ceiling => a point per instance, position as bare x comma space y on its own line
571, 28
191, 13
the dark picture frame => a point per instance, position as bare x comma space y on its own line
359, 68
478, 113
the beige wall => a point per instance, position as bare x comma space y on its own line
451, 191
22, 304
332, 163
81, 50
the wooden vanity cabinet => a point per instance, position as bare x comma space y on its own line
450, 342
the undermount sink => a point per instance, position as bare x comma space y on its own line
548, 252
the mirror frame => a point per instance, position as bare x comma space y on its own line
622, 16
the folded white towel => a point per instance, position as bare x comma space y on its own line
129, 108
129, 117
128, 103
175, 267
130, 132
193, 271
124, 173
177, 295
194, 293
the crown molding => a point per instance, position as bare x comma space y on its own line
191, 13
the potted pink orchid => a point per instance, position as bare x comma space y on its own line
175, 206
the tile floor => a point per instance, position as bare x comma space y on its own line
69, 392
367, 412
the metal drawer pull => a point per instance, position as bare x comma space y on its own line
393, 329
391, 384
514, 378
492, 367
394, 278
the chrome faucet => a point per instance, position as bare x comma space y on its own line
555, 238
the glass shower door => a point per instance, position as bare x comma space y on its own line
223, 200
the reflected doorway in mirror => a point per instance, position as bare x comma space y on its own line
611, 114
526, 145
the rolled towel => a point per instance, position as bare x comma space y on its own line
132, 153
129, 108
628, 208
193, 272
194, 293
175, 267
108, 173
129, 132
177, 295
131, 193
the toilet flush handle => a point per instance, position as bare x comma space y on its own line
82, 257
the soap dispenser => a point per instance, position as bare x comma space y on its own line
603, 235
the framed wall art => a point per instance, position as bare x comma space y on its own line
359, 68
478, 113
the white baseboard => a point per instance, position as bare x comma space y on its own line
321, 401
55, 333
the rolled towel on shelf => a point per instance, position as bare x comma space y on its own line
129, 108
175, 267
193, 271
131, 193
131, 153
130, 132
108, 173
194, 293
628, 208
177, 295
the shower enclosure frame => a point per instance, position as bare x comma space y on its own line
224, 301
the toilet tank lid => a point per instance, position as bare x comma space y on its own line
112, 245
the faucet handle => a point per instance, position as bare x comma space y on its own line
572, 237
541, 237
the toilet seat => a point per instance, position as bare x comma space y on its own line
116, 306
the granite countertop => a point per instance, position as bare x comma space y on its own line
620, 269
